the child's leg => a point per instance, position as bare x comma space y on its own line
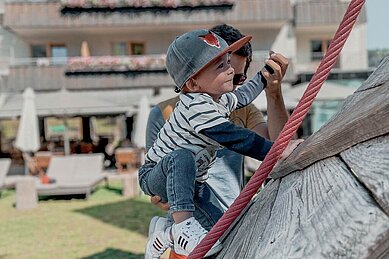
173, 179
189, 233
208, 208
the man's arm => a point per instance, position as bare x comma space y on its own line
154, 124
276, 111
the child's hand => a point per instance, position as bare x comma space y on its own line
279, 64
156, 200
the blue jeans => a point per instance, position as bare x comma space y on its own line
173, 178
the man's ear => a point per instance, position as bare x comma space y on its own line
192, 86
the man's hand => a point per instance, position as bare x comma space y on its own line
156, 200
279, 64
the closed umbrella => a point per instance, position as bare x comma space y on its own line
141, 122
27, 139
85, 49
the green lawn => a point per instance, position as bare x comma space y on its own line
105, 226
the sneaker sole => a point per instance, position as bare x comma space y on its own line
152, 228
154, 221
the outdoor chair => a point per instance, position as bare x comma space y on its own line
5, 163
75, 174
127, 159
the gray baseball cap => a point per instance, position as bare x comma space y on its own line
193, 51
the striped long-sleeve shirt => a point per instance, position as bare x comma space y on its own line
196, 113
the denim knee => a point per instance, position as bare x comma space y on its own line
182, 157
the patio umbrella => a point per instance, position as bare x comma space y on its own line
27, 138
85, 49
141, 122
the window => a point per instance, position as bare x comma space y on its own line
38, 51
8, 131
58, 53
55, 128
137, 48
131, 48
110, 126
318, 49
119, 49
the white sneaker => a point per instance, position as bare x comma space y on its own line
188, 234
159, 238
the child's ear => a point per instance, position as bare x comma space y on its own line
192, 85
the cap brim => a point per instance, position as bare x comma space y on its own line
230, 49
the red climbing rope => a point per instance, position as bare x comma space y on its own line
287, 132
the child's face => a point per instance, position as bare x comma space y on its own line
216, 79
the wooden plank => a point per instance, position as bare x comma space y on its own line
321, 212
253, 220
369, 161
363, 116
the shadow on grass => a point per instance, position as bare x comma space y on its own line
114, 189
132, 214
108, 188
114, 253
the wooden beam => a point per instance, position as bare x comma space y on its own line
320, 212
363, 116
369, 162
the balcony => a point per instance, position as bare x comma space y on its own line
100, 73
323, 13
50, 74
38, 16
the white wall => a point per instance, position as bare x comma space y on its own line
285, 42
262, 38
354, 54
12, 46
352, 57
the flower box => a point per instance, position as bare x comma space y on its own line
130, 65
139, 6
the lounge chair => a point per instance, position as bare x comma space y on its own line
5, 163
75, 174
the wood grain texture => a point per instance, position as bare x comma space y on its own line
363, 116
253, 223
369, 161
321, 212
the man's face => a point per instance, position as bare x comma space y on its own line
238, 63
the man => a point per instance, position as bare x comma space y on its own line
226, 176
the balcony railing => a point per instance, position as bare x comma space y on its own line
37, 15
129, 65
50, 74
322, 13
